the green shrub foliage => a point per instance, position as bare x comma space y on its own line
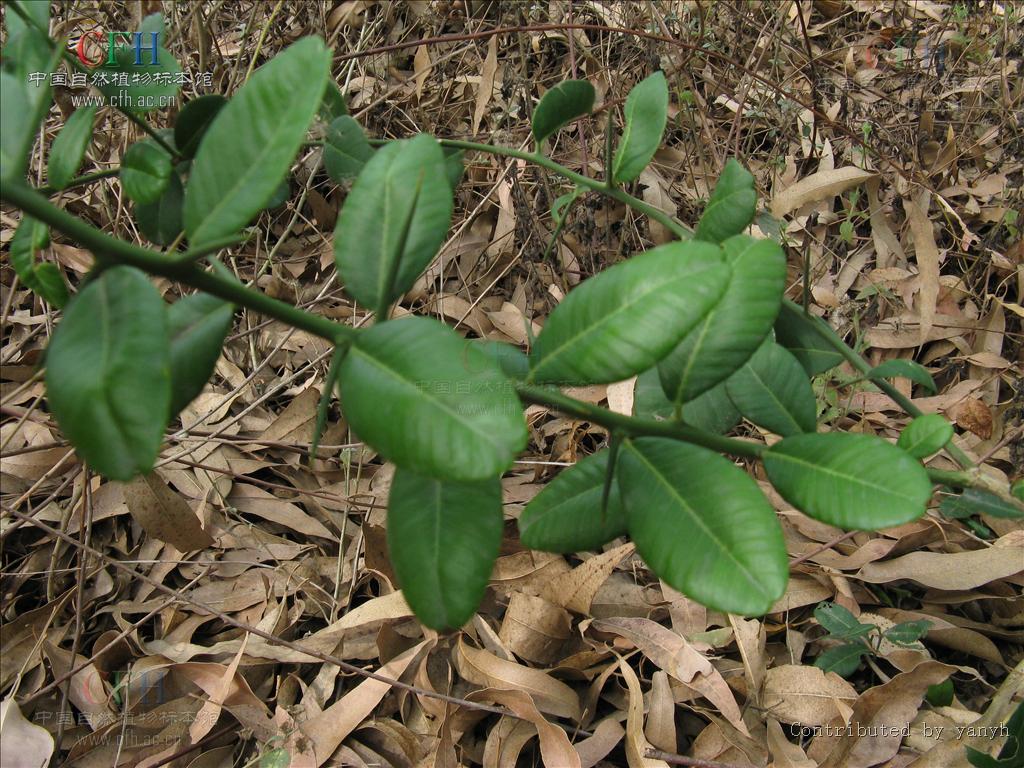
702, 321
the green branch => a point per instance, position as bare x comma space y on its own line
634, 426
110, 250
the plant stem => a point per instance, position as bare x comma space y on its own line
79, 181
634, 426
109, 250
673, 225
682, 231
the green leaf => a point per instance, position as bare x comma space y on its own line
646, 114
561, 105
276, 758
511, 360
732, 205
197, 326
566, 517
907, 369
145, 171
37, 10
772, 391
974, 501
712, 411
649, 400
17, 123
51, 284
940, 694
161, 221
333, 105
194, 120
702, 524
623, 320
394, 220
453, 165
728, 335
907, 632
443, 539
107, 373
839, 622
248, 149
844, 660
849, 480
69, 147
143, 94
429, 402
44, 279
346, 149
797, 332
925, 435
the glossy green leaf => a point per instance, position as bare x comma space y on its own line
772, 391
161, 221
197, 326
443, 539
394, 220
333, 105
142, 94
849, 480
69, 147
623, 320
728, 335
30, 237
346, 149
702, 524
925, 435
974, 501
194, 120
712, 411
51, 285
839, 622
429, 402
646, 114
940, 694
561, 105
43, 278
732, 205
844, 660
454, 165
280, 195
252, 142
796, 332
907, 632
145, 171
108, 373
511, 360
38, 11
566, 516
649, 400
907, 369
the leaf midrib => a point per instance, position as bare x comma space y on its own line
440, 404
753, 580
254, 168
570, 342
829, 471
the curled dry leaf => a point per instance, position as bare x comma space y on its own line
482, 668
23, 744
822, 185
951, 571
805, 695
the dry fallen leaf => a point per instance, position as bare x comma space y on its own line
805, 695
822, 185
23, 744
950, 571
163, 514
